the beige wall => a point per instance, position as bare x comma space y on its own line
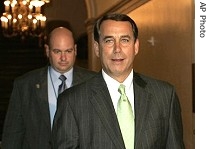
170, 24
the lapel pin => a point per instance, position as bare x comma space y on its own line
37, 86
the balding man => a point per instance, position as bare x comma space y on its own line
33, 100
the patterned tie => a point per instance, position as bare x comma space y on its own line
125, 118
62, 86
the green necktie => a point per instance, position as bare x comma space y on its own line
125, 118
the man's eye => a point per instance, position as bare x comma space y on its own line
56, 51
69, 51
125, 40
109, 41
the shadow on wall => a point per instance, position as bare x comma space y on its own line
82, 47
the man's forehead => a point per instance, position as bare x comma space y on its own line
116, 27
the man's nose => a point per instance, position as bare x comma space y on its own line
117, 47
63, 55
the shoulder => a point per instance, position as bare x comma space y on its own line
78, 93
32, 75
159, 92
81, 74
89, 84
83, 70
150, 82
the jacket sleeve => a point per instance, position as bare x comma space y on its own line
175, 132
13, 131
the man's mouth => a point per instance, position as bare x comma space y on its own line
117, 60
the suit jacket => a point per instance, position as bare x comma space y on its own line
27, 123
86, 119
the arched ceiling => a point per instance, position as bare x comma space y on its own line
96, 7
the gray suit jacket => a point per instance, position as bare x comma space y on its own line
86, 119
27, 123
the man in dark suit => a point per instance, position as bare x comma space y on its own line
89, 116
34, 97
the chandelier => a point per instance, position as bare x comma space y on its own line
24, 18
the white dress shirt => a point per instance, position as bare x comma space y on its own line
113, 86
53, 84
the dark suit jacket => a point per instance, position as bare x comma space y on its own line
27, 123
86, 118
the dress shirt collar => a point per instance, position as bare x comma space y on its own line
110, 81
113, 86
55, 76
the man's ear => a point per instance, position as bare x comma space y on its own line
75, 49
136, 46
96, 48
47, 50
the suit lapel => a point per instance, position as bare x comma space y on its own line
41, 88
142, 103
102, 103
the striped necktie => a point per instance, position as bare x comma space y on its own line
62, 86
